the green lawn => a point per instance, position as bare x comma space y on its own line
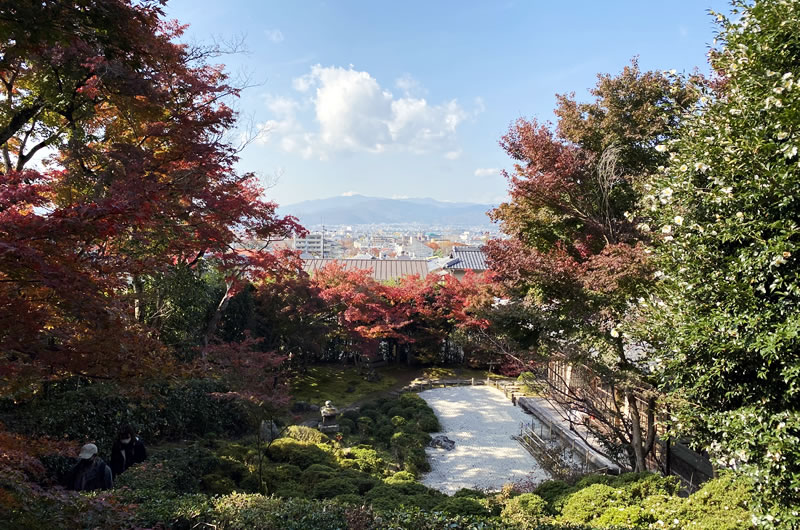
330, 382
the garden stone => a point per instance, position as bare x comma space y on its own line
269, 431
443, 442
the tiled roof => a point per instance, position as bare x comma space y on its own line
467, 258
382, 269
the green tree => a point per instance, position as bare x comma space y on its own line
576, 255
726, 212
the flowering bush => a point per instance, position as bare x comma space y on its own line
725, 215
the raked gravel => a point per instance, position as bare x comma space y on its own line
481, 420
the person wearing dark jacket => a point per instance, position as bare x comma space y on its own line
90, 473
128, 449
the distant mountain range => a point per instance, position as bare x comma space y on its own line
358, 210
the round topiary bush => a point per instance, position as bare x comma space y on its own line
462, 506
216, 484
300, 454
554, 492
349, 499
624, 517
400, 476
316, 473
524, 511
330, 488
589, 503
428, 423
301, 433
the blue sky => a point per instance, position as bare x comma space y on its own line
409, 98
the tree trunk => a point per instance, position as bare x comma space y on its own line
211, 329
636, 433
138, 303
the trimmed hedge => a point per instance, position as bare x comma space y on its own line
94, 412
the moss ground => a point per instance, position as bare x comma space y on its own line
319, 383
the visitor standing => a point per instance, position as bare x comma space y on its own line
90, 473
128, 449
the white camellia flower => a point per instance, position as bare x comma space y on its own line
614, 333
661, 148
666, 229
699, 166
678, 220
739, 215
782, 135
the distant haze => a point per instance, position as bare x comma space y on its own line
360, 210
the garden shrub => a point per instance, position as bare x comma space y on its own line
300, 454
398, 420
417, 519
347, 425
722, 503
664, 508
428, 422
590, 502
365, 425
332, 487
462, 506
256, 512
468, 492
57, 466
217, 484
251, 484
162, 411
365, 458
632, 516
555, 493
643, 485
588, 480
316, 473
416, 463
292, 490
278, 476
363, 481
351, 415
524, 511
305, 434
400, 476
349, 498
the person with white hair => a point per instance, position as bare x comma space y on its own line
90, 473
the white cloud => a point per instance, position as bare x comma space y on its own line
486, 171
349, 193
408, 85
354, 113
275, 35
453, 155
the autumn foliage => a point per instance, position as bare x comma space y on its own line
115, 165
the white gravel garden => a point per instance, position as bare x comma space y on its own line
481, 421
